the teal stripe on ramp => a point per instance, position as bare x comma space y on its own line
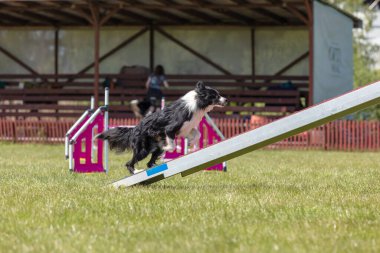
156, 169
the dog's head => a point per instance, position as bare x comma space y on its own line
207, 98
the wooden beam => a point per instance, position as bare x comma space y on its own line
59, 12
290, 65
56, 53
232, 14
84, 15
10, 19
21, 63
209, 6
264, 12
309, 11
77, 14
65, 18
83, 4
253, 55
271, 15
296, 13
151, 48
111, 52
161, 12
191, 12
168, 15
201, 15
133, 15
96, 26
199, 55
28, 17
109, 15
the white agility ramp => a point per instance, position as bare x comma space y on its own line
252, 140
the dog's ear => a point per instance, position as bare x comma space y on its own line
200, 85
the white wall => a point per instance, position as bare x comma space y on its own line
76, 49
333, 53
35, 48
229, 47
276, 48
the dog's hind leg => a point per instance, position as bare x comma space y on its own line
194, 136
135, 159
170, 145
131, 166
156, 153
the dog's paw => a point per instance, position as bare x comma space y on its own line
137, 171
169, 148
150, 165
130, 169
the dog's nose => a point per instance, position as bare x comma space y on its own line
223, 100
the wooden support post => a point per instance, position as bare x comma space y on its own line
151, 48
21, 63
56, 54
309, 9
253, 54
96, 26
96, 65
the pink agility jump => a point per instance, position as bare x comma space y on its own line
86, 153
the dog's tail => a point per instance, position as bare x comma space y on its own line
119, 138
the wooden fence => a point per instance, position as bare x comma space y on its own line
344, 135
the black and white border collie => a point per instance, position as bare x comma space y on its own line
156, 132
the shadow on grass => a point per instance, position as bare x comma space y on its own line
197, 187
229, 187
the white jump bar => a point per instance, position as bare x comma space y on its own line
260, 137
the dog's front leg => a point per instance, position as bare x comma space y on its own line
194, 136
170, 146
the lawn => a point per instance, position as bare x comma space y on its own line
268, 201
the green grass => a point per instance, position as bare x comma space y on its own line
268, 201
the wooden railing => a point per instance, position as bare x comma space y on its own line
66, 96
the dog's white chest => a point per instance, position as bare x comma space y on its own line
193, 123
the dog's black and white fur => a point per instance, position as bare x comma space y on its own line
156, 132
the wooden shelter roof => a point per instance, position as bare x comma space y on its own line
155, 12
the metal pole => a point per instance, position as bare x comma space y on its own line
186, 146
67, 140
162, 103
67, 147
214, 126
85, 125
71, 161
92, 103
106, 104
92, 108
